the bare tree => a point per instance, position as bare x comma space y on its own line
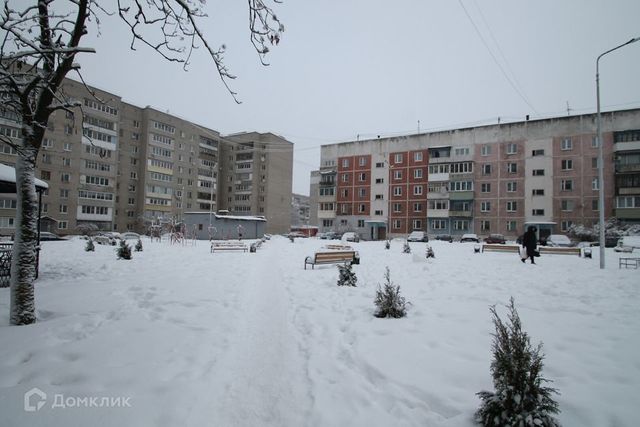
37, 51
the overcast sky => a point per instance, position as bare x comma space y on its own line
370, 67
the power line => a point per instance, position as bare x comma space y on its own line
506, 76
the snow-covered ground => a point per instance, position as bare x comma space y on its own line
178, 336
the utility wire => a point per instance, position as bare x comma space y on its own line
506, 76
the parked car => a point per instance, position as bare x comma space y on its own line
445, 237
558, 241
495, 239
470, 237
129, 235
296, 234
105, 239
45, 235
418, 236
628, 244
350, 236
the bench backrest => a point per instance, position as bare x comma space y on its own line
561, 251
334, 255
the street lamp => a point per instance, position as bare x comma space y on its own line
600, 151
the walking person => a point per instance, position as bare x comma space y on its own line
530, 242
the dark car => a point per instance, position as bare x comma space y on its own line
495, 239
445, 237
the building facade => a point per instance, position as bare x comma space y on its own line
487, 179
111, 165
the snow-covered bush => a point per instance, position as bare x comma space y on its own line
138, 246
406, 249
90, 247
388, 299
347, 275
387, 245
124, 250
613, 229
519, 399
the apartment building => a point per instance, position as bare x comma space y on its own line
486, 179
112, 165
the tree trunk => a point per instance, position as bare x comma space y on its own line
23, 263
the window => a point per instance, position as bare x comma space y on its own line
567, 165
62, 225
512, 225
397, 191
537, 192
378, 212
131, 201
397, 207
362, 192
461, 224
397, 174
345, 163
66, 161
417, 224
512, 187
485, 225
344, 193
66, 146
345, 177
512, 167
47, 143
417, 207
594, 141
417, 190
133, 175
362, 161
361, 223
438, 224
396, 224
537, 212
379, 164
46, 158
417, 156
512, 148
362, 208
594, 163
8, 203
64, 193
565, 225
485, 206
566, 205
65, 177
595, 205
566, 144
46, 175
485, 150
486, 169
594, 184
485, 187
379, 180
438, 204
362, 177
64, 209
539, 152
461, 151
327, 223
461, 186
397, 158
512, 206
566, 185
538, 172
417, 173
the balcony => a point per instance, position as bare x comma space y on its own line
461, 214
627, 168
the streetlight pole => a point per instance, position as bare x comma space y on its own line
601, 151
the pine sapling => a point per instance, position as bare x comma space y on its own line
347, 276
124, 250
138, 246
387, 245
90, 247
519, 399
406, 249
388, 299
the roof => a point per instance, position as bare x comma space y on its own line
8, 180
238, 217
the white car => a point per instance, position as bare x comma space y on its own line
628, 244
418, 236
350, 236
129, 235
470, 237
559, 241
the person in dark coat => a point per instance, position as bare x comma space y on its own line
530, 241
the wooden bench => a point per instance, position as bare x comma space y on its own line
559, 250
629, 262
489, 247
332, 257
228, 246
256, 245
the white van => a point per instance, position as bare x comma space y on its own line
628, 244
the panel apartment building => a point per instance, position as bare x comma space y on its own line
116, 166
486, 179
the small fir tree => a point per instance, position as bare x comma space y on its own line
388, 299
406, 249
520, 399
138, 246
387, 245
347, 275
430, 252
124, 250
90, 247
